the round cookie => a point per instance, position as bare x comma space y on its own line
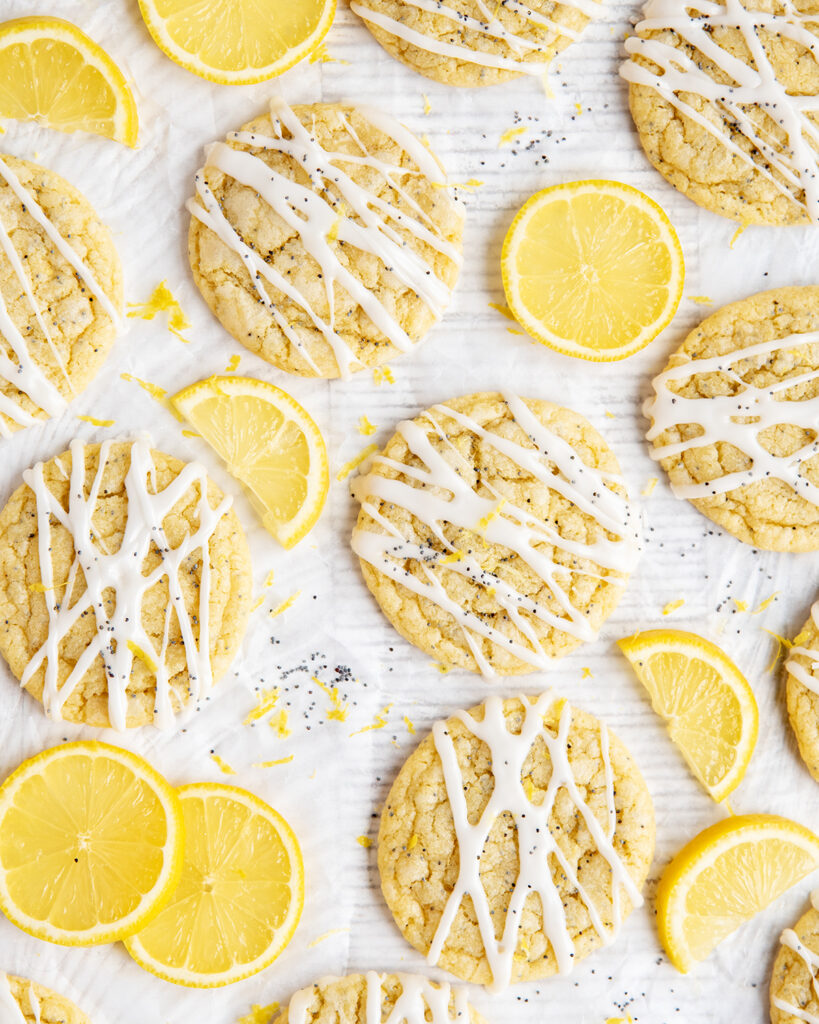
794, 987
717, 131
106, 630
802, 691
60, 293
526, 562
472, 43
323, 238
506, 835
734, 438
372, 998
26, 1002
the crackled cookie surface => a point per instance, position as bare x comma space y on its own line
515, 840
495, 532
734, 418
802, 689
723, 96
323, 237
124, 584
25, 1002
475, 42
60, 293
794, 989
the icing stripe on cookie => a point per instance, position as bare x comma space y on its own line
419, 1002
810, 959
726, 113
808, 677
739, 419
120, 635
10, 1012
553, 462
332, 208
536, 844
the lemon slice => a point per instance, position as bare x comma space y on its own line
593, 269
710, 709
236, 42
91, 841
269, 443
240, 897
53, 73
725, 876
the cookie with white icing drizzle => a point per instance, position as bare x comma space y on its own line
476, 42
794, 990
515, 840
725, 98
60, 294
125, 584
734, 419
802, 690
324, 238
26, 1002
495, 532
375, 998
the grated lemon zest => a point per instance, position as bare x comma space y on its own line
648, 490
233, 365
154, 390
484, 521
288, 603
354, 463
383, 375
327, 935
268, 580
410, 725
272, 764
765, 604
379, 723
742, 606
162, 301
701, 300
279, 723
365, 427
143, 656
672, 606
364, 841
96, 422
510, 135
224, 767
443, 669
413, 841
782, 643
337, 710
579, 108
265, 702
453, 556
587, 674
41, 588
736, 234
427, 104
191, 433
259, 1014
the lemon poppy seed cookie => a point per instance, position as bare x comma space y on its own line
495, 532
374, 998
60, 294
794, 990
25, 1002
475, 42
323, 237
124, 584
802, 690
724, 98
515, 840
734, 417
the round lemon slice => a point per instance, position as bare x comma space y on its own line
708, 704
270, 444
240, 897
53, 73
236, 42
725, 876
593, 269
91, 841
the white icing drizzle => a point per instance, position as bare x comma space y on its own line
487, 24
418, 997
807, 676
10, 1012
720, 418
553, 462
536, 843
121, 572
795, 163
810, 959
25, 374
325, 209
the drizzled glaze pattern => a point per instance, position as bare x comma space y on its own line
120, 635
810, 959
608, 556
10, 1012
18, 367
419, 1002
734, 107
333, 210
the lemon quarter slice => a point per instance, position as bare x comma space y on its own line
725, 876
240, 897
52, 72
91, 841
708, 704
593, 269
270, 444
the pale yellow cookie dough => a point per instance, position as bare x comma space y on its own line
546, 41
81, 331
433, 629
803, 703
23, 612
222, 278
791, 979
766, 513
52, 1008
418, 855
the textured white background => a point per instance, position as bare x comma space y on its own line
332, 790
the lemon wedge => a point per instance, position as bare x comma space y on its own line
240, 897
270, 444
236, 42
708, 704
725, 876
593, 269
53, 73
91, 841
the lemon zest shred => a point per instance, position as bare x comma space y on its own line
701, 300
742, 606
470, 185
484, 521
257, 603
288, 603
453, 556
365, 427
427, 104
41, 588
587, 673
672, 606
233, 364
514, 330
191, 433
259, 1014
579, 108
782, 644
96, 422
273, 764
379, 723
265, 702
154, 390
327, 935
648, 490
510, 135
279, 723
443, 669
222, 764
609, 415
364, 841
337, 711
268, 580
736, 234
763, 605
353, 464
162, 300
383, 375
143, 656
410, 725
413, 841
